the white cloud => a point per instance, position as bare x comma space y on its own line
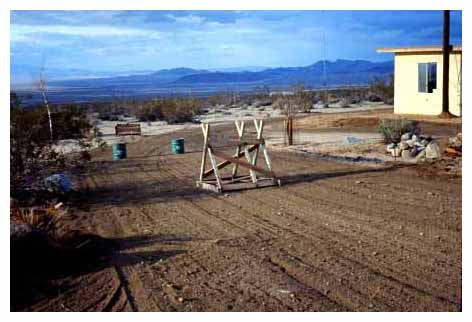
23, 32
190, 19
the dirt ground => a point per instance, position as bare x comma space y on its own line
334, 237
328, 134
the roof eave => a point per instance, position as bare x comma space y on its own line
430, 49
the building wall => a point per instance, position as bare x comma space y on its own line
407, 98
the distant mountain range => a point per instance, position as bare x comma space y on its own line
78, 85
27, 74
339, 72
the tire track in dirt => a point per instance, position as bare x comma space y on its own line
270, 249
357, 251
211, 197
264, 222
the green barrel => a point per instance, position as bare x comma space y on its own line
177, 146
119, 151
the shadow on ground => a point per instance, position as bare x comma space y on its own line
128, 193
38, 262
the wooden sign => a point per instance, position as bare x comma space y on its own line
128, 129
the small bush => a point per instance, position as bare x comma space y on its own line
30, 141
383, 88
172, 110
392, 130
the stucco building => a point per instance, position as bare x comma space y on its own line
418, 80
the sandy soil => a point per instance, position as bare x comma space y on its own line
334, 237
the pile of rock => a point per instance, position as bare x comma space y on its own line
415, 146
455, 146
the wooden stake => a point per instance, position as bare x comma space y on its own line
240, 129
259, 125
206, 133
215, 169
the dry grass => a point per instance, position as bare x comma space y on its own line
44, 218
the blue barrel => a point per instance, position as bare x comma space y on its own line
177, 146
119, 151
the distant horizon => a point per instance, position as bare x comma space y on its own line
123, 41
112, 74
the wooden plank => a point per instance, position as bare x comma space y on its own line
240, 130
235, 166
226, 162
243, 163
244, 142
266, 156
250, 160
208, 186
215, 168
261, 183
206, 132
259, 127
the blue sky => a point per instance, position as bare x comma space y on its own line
151, 40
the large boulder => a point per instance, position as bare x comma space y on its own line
396, 152
390, 147
406, 154
406, 136
433, 151
415, 150
403, 145
456, 141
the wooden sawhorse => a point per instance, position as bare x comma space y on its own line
211, 179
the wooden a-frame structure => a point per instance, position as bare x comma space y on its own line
248, 149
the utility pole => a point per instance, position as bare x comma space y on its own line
445, 81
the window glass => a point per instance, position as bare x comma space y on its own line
431, 77
422, 77
427, 77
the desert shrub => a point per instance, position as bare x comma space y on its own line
283, 103
299, 100
221, 99
44, 218
30, 141
29, 134
392, 129
70, 122
172, 110
383, 88
179, 110
302, 99
148, 112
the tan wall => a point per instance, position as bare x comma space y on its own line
407, 98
